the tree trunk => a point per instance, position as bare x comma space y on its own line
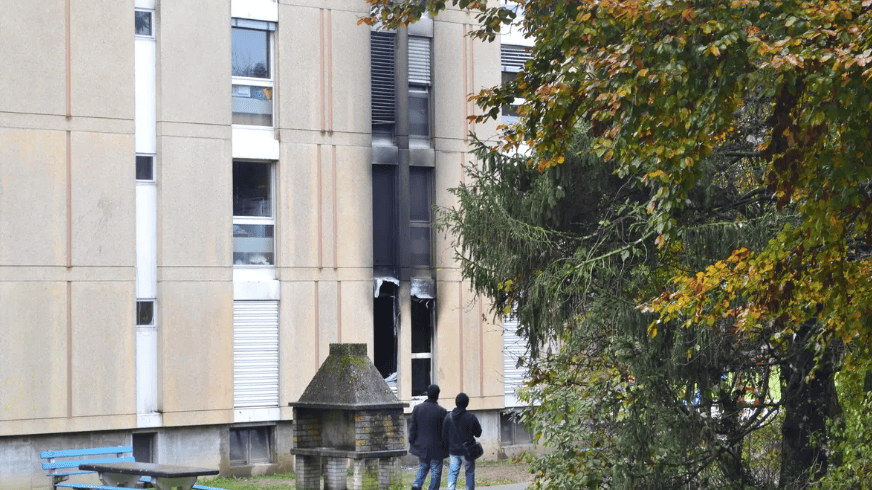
807, 406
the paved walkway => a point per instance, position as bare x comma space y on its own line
513, 486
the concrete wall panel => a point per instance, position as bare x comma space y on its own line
299, 336
103, 199
103, 351
195, 203
33, 340
195, 346
299, 205
449, 174
354, 206
449, 97
101, 36
32, 197
357, 305
32, 47
300, 76
447, 337
194, 47
351, 61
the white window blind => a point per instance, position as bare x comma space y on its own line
513, 57
419, 60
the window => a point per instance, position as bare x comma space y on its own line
145, 167
420, 202
252, 70
384, 215
513, 58
253, 216
422, 345
143, 447
383, 87
512, 430
419, 86
250, 445
144, 312
144, 24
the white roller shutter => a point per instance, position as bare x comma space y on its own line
514, 347
419, 60
513, 57
255, 354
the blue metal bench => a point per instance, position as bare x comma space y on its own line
60, 467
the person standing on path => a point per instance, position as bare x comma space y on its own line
460, 426
425, 439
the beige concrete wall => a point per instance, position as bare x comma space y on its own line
195, 352
193, 43
33, 378
101, 55
195, 207
102, 358
32, 40
33, 202
102, 200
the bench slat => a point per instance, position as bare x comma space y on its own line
75, 463
67, 453
90, 486
204, 487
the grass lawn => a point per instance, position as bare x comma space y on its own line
487, 473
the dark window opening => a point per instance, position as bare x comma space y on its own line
420, 376
422, 345
144, 167
420, 202
385, 330
250, 445
145, 313
143, 447
383, 215
512, 430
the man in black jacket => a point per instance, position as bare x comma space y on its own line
460, 426
425, 439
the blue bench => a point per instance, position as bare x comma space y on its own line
60, 466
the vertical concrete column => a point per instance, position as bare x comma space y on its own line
365, 475
335, 477
308, 469
388, 470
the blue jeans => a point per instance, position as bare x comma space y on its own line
434, 467
454, 471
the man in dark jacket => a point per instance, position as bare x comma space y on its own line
425, 439
460, 426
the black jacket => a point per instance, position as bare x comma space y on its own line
425, 431
460, 426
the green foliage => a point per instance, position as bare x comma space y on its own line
852, 444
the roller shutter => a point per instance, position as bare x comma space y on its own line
419, 60
255, 354
382, 78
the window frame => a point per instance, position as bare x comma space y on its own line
269, 82
151, 25
270, 442
259, 220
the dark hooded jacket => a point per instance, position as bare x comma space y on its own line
460, 426
425, 431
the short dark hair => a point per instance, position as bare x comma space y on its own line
433, 392
462, 400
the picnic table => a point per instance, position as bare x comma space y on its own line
162, 476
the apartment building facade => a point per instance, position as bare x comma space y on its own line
197, 198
